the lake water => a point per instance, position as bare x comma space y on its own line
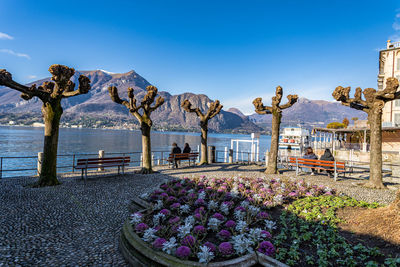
28, 141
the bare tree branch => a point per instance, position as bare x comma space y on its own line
292, 99
84, 87
260, 108
187, 106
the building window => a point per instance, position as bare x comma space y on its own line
396, 119
398, 64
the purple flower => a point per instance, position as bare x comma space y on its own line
224, 234
141, 227
183, 252
266, 248
198, 216
218, 216
263, 215
174, 220
240, 208
292, 194
192, 196
158, 243
164, 195
171, 199
225, 248
165, 212
199, 202
199, 229
200, 210
328, 193
164, 186
266, 234
230, 224
211, 246
176, 205
188, 241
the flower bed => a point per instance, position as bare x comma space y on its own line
208, 220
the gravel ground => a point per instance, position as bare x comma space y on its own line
78, 222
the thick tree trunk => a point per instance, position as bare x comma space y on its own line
204, 156
51, 115
146, 149
375, 174
272, 167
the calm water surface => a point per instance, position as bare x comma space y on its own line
28, 141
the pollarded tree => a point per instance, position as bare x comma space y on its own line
213, 110
276, 110
346, 122
143, 117
373, 106
51, 94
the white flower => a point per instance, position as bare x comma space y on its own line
205, 255
169, 246
241, 226
271, 225
239, 215
184, 230
253, 210
257, 197
202, 195
244, 203
157, 218
213, 224
159, 205
149, 235
278, 199
135, 218
255, 234
212, 205
184, 208
190, 191
190, 220
327, 189
224, 208
242, 244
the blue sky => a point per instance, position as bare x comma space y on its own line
233, 51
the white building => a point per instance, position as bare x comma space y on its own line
389, 66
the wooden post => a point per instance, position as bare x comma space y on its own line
101, 155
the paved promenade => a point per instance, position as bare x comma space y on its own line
78, 223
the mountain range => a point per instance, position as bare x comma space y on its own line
97, 106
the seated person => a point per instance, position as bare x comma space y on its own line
187, 148
328, 157
176, 150
310, 155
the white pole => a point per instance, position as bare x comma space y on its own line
237, 150
258, 149
101, 155
226, 155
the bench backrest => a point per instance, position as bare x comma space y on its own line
317, 163
184, 155
112, 160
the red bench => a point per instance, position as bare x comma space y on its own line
94, 163
335, 166
183, 156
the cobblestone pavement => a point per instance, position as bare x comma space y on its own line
78, 222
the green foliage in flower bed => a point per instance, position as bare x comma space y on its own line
324, 208
309, 236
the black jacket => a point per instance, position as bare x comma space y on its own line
187, 149
176, 150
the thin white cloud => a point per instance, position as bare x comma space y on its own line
32, 76
396, 26
11, 52
5, 36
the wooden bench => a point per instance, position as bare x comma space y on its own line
183, 156
335, 166
94, 163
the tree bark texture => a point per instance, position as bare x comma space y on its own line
146, 149
273, 155
204, 154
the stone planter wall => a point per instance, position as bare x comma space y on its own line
139, 253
